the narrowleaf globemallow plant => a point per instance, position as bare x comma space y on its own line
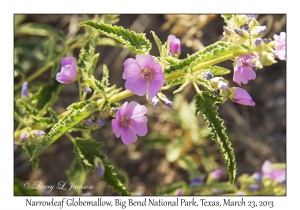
147, 76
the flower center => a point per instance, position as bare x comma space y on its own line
146, 74
244, 63
125, 121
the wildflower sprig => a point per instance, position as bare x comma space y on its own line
147, 76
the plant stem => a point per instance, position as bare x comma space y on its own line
70, 136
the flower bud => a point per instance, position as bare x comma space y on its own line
254, 187
178, 192
86, 89
164, 99
227, 30
98, 164
39, 133
258, 41
197, 181
216, 174
207, 75
239, 95
24, 91
24, 136
223, 85
101, 122
257, 176
258, 30
155, 101
175, 48
68, 70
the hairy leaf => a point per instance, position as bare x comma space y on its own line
47, 96
137, 43
105, 76
214, 51
88, 150
28, 150
77, 112
206, 105
217, 70
170, 190
41, 30
77, 173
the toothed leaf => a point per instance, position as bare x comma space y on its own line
135, 42
206, 105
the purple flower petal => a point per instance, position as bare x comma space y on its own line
243, 71
139, 126
174, 43
131, 68
139, 74
242, 97
121, 111
135, 110
128, 136
280, 45
145, 61
117, 128
130, 120
138, 86
154, 86
68, 70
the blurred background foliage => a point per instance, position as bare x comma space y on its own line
177, 147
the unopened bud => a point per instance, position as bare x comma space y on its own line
155, 101
207, 75
86, 89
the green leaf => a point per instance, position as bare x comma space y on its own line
85, 57
20, 190
105, 41
88, 150
105, 76
47, 96
227, 18
173, 150
189, 164
93, 64
181, 87
77, 173
216, 185
77, 112
158, 43
170, 190
135, 42
206, 105
41, 30
29, 150
204, 82
110, 18
214, 51
217, 70
47, 122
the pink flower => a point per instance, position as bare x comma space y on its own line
280, 46
142, 75
275, 174
130, 121
241, 96
68, 70
243, 71
174, 45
